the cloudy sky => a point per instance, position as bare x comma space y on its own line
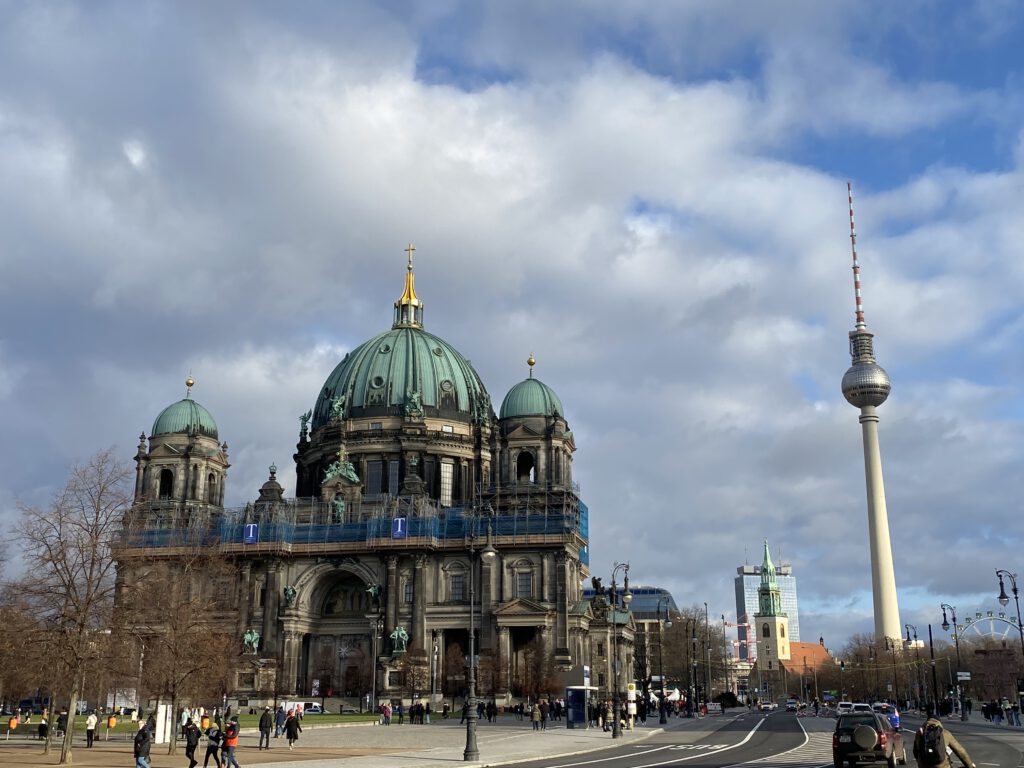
648, 196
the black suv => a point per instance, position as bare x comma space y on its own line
865, 737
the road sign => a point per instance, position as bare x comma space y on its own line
631, 692
963, 675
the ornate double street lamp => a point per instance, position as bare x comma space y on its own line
1003, 600
956, 641
471, 753
663, 624
627, 598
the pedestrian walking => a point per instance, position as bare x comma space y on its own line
292, 729
535, 717
227, 754
544, 711
192, 735
90, 729
213, 740
266, 723
143, 741
279, 718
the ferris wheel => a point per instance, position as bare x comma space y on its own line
988, 624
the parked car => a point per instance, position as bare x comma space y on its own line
866, 737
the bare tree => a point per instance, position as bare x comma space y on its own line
67, 547
176, 609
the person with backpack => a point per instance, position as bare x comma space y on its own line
213, 739
933, 745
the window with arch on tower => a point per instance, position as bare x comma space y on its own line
211, 488
525, 467
766, 630
782, 631
166, 489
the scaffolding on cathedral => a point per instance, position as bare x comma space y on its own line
516, 514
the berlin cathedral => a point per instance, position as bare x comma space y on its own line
420, 516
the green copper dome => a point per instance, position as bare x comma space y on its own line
403, 370
185, 417
531, 397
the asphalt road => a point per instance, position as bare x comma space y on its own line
715, 743
778, 740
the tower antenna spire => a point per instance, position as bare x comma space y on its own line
856, 263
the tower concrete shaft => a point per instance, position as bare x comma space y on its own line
883, 575
866, 386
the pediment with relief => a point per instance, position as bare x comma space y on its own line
521, 606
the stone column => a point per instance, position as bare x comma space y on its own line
292, 652
504, 662
419, 603
247, 596
547, 568
563, 655
391, 610
271, 601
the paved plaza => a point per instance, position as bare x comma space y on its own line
363, 746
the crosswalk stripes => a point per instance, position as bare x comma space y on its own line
817, 751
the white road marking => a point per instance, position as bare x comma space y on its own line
701, 753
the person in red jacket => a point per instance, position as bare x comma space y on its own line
227, 753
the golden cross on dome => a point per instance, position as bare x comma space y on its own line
410, 249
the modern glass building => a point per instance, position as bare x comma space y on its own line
748, 579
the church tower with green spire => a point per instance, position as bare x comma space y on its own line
770, 621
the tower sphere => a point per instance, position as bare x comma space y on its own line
866, 383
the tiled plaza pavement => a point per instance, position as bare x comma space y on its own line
424, 746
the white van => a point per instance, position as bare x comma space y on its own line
308, 707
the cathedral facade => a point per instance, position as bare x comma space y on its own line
420, 517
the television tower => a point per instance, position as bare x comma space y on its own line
866, 386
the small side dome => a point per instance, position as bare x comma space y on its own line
531, 397
185, 417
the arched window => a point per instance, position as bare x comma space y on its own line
765, 630
166, 484
211, 489
782, 631
524, 467
195, 481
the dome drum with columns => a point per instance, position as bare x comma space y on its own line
401, 465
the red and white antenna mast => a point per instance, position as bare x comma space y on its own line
856, 264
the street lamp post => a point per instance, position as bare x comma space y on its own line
378, 627
956, 641
1003, 600
707, 656
891, 644
692, 688
627, 597
917, 660
664, 624
433, 671
471, 752
935, 677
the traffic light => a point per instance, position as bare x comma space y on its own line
842, 666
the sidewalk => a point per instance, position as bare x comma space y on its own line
424, 746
